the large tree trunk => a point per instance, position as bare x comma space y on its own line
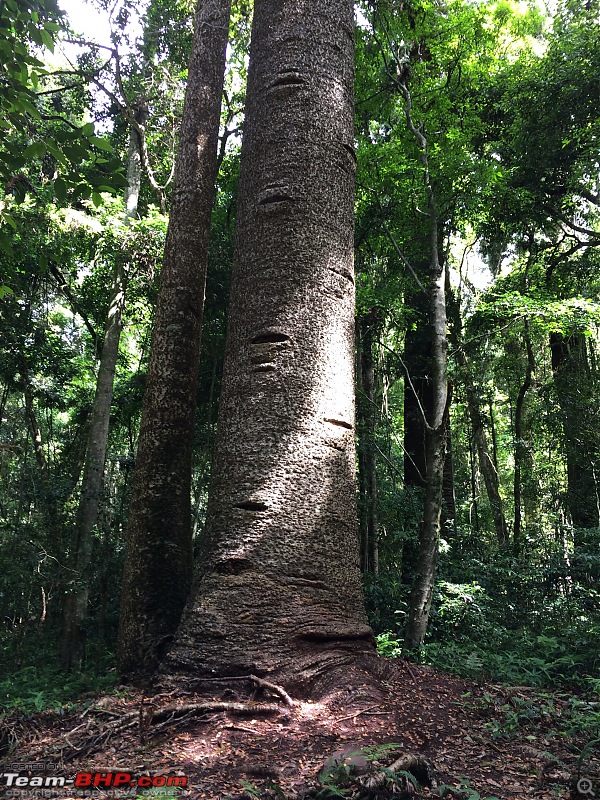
158, 558
76, 600
575, 394
278, 590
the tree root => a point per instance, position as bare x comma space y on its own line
361, 774
414, 764
261, 683
151, 720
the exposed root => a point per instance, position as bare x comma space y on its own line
359, 774
93, 734
416, 765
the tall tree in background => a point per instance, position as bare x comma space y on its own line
158, 559
76, 600
575, 386
278, 590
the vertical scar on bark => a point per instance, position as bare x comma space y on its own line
350, 149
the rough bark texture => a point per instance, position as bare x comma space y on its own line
158, 558
278, 592
76, 600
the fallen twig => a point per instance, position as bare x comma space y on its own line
355, 715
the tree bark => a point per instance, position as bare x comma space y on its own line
429, 534
520, 446
417, 390
437, 422
158, 558
76, 600
574, 389
486, 461
448, 494
278, 591
368, 455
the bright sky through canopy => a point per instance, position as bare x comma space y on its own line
87, 20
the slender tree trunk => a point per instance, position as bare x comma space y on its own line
520, 446
436, 425
486, 461
417, 389
34, 428
76, 600
448, 494
278, 590
474, 499
494, 437
158, 558
422, 590
368, 454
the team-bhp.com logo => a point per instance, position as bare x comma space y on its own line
90, 780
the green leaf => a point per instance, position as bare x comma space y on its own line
5, 290
6, 243
47, 39
101, 144
60, 190
34, 150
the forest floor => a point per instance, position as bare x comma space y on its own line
277, 750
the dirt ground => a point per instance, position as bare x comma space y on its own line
250, 742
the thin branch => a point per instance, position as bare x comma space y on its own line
58, 89
586, 231
62, 119
587, 195
410, 383
394, 243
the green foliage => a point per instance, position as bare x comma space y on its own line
388, 645
519, 714
464, 788
519, 624
32, 690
